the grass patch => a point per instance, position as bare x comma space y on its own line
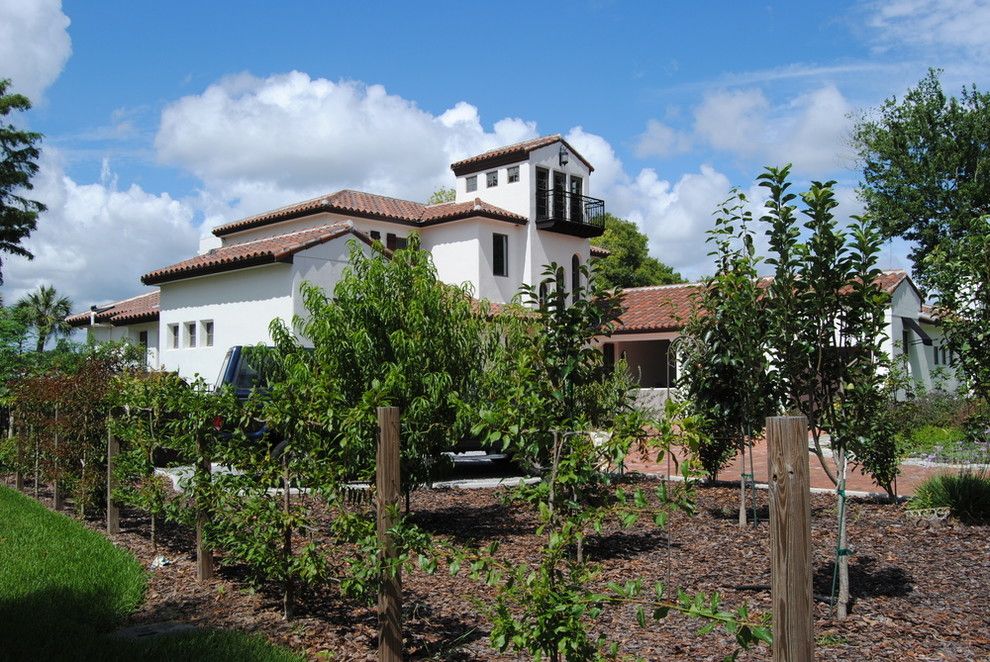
65, 588
966, 494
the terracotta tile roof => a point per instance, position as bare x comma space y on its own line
598, 251
142, 308
369, 205
262, 251
510, 154
668, 307
657, 308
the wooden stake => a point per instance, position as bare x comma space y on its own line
790, 539
388, 484
113, 510
204, 556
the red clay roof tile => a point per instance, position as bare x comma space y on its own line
506, 154
142, 308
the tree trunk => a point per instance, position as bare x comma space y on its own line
742, 485
842, 557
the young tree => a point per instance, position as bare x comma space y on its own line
46, 311
826, 325
629, 263
724, 351
18, 164
925, 162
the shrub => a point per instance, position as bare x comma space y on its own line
966, 494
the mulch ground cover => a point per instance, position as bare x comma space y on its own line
920, 591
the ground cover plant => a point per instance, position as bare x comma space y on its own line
966, 495
64, 589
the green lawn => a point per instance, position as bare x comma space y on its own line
64, 589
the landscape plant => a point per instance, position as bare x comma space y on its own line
826, 326
726, 372
966, 495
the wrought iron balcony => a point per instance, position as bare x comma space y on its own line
562, 211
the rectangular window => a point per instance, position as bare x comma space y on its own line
190, 334
173, 336
401, 242
207, 333
542, 193
513, 174
143, 339
491, 178
471, 183
500, 254
376, 235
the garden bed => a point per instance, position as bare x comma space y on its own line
919, 590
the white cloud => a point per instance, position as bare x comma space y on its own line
734, 121
940, 25
260, 142
94, 242
661, 140
811, 131
34, 44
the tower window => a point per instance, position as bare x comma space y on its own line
491, 178
471, 183
512, 174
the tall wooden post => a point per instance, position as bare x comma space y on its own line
37, 461
790, 539
113, 510
204, 556
388, 484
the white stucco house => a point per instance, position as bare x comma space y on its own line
517, 208
647, 334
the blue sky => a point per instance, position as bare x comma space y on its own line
165, 119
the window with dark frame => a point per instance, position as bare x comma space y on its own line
190, 334
491, 179
500, 254
512, 174
375, 235
401, 242
575, 277
471, 183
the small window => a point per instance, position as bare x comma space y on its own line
500, 254
207, 333
401, 242
471, 183
190, 334
173, 336
491, 179
376, 235
513, 174
143, 339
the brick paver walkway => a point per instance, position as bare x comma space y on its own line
910, 478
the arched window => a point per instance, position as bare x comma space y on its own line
576, 277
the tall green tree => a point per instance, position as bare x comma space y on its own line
18, 164
926, 166
442, 194
826, 327
724, 349
45, 311
629, 263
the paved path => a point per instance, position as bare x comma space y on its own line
910, 478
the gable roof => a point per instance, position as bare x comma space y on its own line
657, 308
377, 207
661, 308
141, 308
511, 154
280, 248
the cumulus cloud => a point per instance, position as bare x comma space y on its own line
811, 130
661, 140
94, 242
734, 120
260, 142
34, 44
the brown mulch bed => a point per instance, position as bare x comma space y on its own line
920, 592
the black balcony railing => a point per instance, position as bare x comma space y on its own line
564, 211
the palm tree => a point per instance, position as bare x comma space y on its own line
46, 311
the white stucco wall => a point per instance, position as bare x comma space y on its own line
132, 334
515, 196
241, 305
322, 266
